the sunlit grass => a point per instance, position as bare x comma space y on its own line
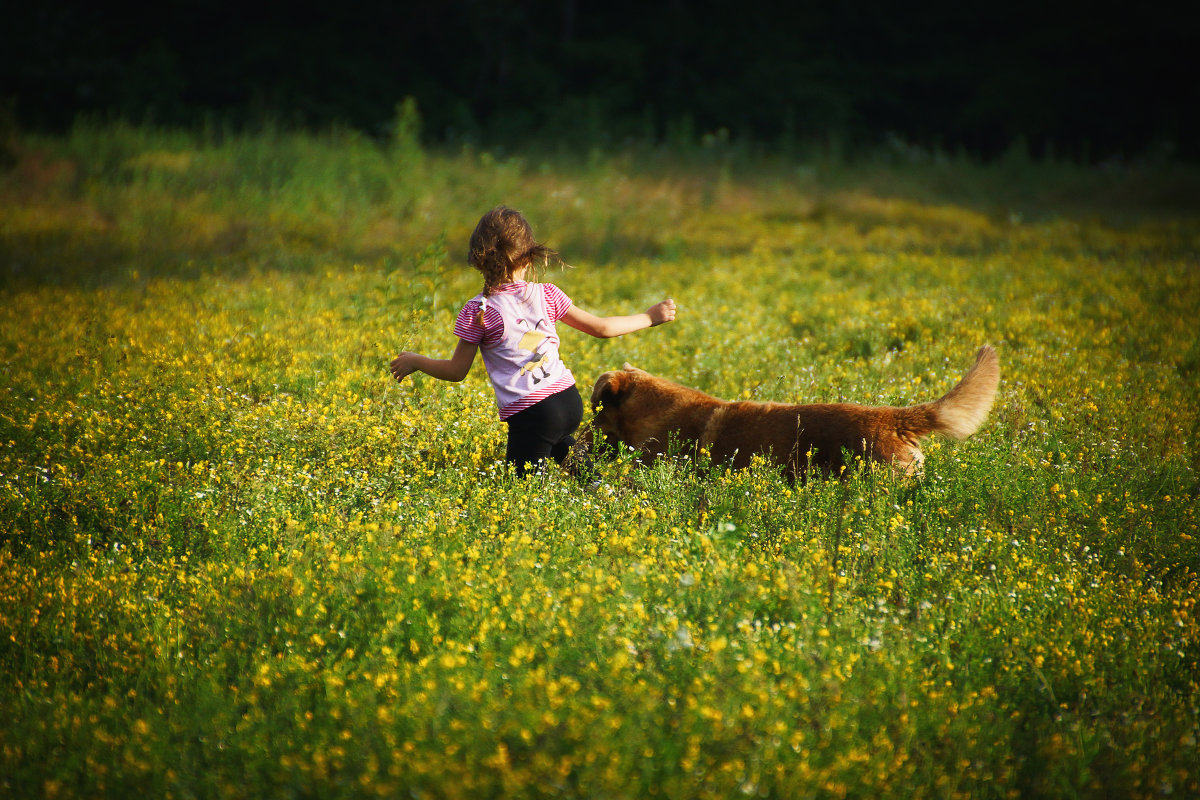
237, 560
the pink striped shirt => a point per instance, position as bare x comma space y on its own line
519, 342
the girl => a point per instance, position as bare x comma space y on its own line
512, 321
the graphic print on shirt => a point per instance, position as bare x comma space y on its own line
536, 341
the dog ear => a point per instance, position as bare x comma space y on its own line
609, 389
631, 368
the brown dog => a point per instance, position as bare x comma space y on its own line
649, 413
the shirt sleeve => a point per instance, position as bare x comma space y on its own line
557, 302
467, 326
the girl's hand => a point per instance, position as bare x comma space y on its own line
663, 312
454, 368
403, 365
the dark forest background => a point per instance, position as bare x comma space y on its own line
1087, 82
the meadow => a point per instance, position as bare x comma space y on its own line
238, 560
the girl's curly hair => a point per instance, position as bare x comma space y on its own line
502, 244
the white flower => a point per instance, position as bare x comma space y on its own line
682, 640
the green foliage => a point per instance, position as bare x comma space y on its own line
237, 559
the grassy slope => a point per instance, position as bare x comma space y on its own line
236, 559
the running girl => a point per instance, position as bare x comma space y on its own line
512, 322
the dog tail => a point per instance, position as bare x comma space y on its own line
964, 408
961, 411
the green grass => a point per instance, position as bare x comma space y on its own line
237, 560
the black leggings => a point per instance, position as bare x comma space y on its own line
544, 429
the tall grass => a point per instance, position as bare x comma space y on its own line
237, 560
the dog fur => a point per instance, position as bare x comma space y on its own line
649, 414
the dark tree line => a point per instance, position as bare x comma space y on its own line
1082, 80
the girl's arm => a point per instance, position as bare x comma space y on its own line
454, 368
607, 327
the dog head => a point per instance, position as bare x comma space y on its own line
611, 395
624, 401
645, 412
612, 386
